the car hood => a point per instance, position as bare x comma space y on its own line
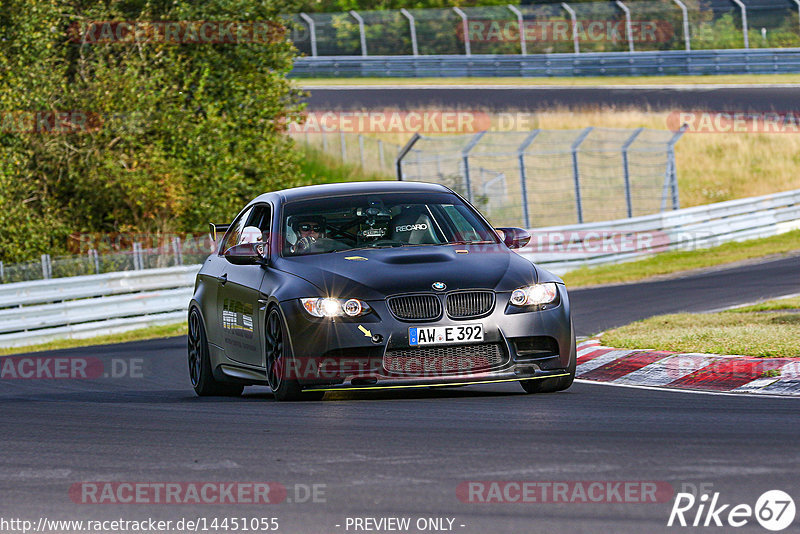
373, 274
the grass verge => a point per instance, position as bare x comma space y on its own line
722, 79
762, 330
151, 332
667, 263
318, 167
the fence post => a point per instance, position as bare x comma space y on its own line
413, 29
360, 31
673, 178
798, 9
628, 26
465, 158
523, 46
626, 171
743, 8
523, 178
574, 18
576, 172
176, 247
343, 146
381, 157
2, 273
312, 32
686, 38
361, 149
136, 257
403, 151
324, 142
46, 269
94, 256
465, 27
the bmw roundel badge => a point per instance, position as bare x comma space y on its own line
439, 286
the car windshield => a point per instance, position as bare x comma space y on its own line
352, 222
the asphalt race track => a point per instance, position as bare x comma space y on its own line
714, 98
403, 454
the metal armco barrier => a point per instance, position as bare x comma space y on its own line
651, 63
86, 306
561, 249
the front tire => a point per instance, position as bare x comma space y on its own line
200, 374
278, 358
551, 385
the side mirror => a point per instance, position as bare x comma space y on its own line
247, 254
515, 237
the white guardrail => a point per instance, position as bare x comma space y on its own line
86, 306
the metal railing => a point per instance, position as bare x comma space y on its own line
564, 248
86, 306
578, 27
173, 252
652, 63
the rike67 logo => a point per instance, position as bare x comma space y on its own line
774, 510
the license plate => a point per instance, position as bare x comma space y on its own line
436, 335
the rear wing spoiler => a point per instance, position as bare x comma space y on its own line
218, 230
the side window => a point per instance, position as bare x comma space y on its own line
464, 230
252, 226
236, 231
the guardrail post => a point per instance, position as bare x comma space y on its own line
361, 31
686, 38
361, 149
628, 26
576, 172
522, 44
625, 170
574, 17
412, 28
403, 151
343, 146
465, 27
523, 179
465, 158
312, 31
743, 8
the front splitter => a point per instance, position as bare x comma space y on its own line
404, 384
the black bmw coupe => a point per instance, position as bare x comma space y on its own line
374, 285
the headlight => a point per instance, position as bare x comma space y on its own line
330, 307
534, 295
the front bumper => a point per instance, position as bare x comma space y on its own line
362, 354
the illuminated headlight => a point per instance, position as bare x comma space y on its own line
330, 307
534, 295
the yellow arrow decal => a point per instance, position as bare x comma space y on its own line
366, 332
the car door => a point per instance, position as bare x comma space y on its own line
238, 292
